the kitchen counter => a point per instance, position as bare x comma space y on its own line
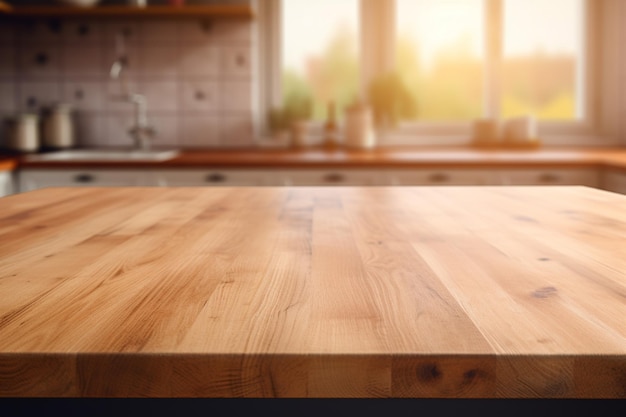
8, 164
421, 292
391, 157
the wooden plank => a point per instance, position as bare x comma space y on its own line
414, 292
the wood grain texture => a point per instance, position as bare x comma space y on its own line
415, 292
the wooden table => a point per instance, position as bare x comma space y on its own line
313, 292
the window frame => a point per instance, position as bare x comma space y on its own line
377, 40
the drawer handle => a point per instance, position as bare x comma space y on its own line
84, 178
215, 178
439, 177
549, 178
334, 178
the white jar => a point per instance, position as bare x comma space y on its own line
23, 133
58, 129
359, 129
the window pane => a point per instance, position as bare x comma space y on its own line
543, 59
440, 57
320, 53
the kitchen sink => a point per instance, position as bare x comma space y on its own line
105, 155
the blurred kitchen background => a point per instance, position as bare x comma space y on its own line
432, 67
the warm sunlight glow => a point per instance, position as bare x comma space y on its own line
440, 57
320, 53
543, 59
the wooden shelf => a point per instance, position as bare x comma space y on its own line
236, 11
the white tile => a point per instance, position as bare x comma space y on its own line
83, 33
8, 61
166, 129
199, 60
236, 62
8, 97
33, 95
131, 55
116, 129
160, 95
84, 96
236, 96
39, 61
89, 129
236, 131
40, 32
199, 96
196, 31
118, 126
159, 32
216, 32
158, 61
113, 100
128, 28
83, 62
199, 131
233, 32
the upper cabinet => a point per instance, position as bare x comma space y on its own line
226, 10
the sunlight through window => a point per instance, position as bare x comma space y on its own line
320, 54
440, 57
543, 59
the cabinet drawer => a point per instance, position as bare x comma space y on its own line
213, 178
585, 177
330, 177
34, 179
438, 177
6, 183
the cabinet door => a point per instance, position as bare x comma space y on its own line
559, 176
6, 183
34, 179
323, 177
213, 178
615, 181
450, 177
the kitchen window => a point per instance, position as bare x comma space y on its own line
458, 60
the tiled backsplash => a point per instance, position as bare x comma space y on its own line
196, 75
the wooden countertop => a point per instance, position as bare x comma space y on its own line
8, 164
390, 157
419, 292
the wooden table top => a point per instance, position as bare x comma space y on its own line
480, 292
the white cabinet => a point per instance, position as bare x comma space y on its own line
331, 177
547, 176
614, 181
6, 183
32, 179
438, 177
215, 178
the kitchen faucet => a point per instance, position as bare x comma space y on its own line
141, 131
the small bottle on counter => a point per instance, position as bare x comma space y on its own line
331, 129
